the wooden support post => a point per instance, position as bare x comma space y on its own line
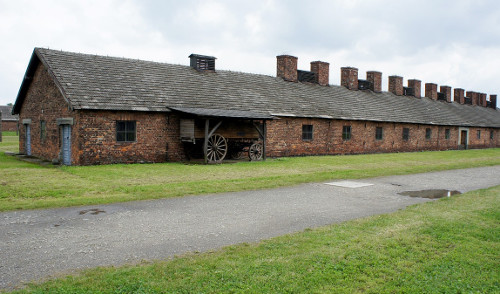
264, 139
205, 142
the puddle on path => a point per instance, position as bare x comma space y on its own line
431, 194
93, 211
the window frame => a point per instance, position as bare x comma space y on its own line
447, 134
307, 132
379, 133
492, 135
478, 134
43, 130
346, 133
406, 134
428, 133
127, 131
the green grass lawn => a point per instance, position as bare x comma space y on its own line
447, 246
25, 185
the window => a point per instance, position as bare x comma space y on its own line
125, 131
428, 133
346, 132
447, 134
406, 134
43, 130
492, 134
307, 132
479, 134
379, 133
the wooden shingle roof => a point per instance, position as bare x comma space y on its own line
110, 83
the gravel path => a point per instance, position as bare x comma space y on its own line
37, 244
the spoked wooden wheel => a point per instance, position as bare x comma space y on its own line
255, 152
217, 148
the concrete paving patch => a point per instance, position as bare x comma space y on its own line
349, 184
35, 244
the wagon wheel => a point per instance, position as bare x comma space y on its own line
217, 148
255, 151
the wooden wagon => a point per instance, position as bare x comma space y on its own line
215, 135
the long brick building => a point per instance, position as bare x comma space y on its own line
9, 121
84, 109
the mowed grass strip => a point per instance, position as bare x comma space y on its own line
26, 186
450, 245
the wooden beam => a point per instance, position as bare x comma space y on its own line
205, 142
214, 129
259, 130
264, 131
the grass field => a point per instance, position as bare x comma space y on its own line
447, 246
25, 185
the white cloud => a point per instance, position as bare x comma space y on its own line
455, 43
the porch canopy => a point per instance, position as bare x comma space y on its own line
223, 114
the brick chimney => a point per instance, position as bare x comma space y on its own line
431, 91
322, 70
458, 95
375, 78
396, 85
493, 101
446, 90
349, 77
287, 68
482, 99
416, 85
474, 97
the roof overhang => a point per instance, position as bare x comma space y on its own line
223, 113
28, 77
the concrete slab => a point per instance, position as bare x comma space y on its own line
349, 184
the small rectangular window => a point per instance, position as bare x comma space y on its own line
492, 135
379, 133
43, 130
428, 133
346, 133
447, 134
479, 134
307, 132
125, 131
406, 134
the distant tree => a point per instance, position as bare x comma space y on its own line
9, 104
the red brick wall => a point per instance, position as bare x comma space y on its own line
8, 125
43, 101
284, 137
484, 141
157, 138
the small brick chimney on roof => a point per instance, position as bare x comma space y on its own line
458, 95
474, 97
416, 85
322, 71
349, 77
396, 85
287, 68
446, 90
482, 99
375, 79
431, 91
493, 101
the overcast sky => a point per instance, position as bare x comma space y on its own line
455, 43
